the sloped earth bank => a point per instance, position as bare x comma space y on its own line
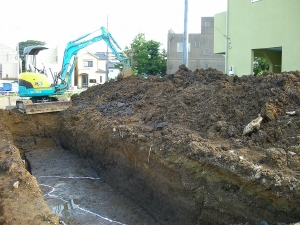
178, 146
22, 201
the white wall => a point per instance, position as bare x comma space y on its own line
9, 60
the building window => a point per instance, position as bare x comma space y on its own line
88, 63
197, 44
206, 66
100, 79
207, 23
180, 47
206, 52
92, 80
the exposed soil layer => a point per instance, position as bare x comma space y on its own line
22, 201
180, 147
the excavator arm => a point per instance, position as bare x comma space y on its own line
110, 41
73, 48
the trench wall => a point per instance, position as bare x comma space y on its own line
168, 185
21, 200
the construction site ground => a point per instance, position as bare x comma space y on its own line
194, 147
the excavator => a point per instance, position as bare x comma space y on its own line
36, 93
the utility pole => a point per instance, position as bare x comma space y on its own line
185, 36
106, 78
226, 43
19, 67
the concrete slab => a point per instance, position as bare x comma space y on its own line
8, 102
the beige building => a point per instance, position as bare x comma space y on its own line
90, 69
259, 28
200, 49
9, 62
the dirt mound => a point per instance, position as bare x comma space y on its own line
216, 106
196, 117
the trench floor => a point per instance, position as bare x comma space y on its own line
74, 191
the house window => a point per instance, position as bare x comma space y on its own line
180, 47
92, 80
206, 66
206, 52
207, 23
100, 79
88, 63
197, 44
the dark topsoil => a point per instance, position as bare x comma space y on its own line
178, 146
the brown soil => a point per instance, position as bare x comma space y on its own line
175, 145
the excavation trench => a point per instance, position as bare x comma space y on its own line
71, 188
175, 146
176, 190
74, 191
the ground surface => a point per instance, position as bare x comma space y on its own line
179, 145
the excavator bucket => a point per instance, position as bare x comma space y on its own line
27, 107
126, 72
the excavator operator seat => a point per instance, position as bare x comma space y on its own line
30, 67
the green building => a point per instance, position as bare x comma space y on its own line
267, 29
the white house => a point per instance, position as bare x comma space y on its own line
90, 69
112, 60
112, 71
9, 62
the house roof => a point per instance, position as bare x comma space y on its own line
100, 55
111, 64
96, 55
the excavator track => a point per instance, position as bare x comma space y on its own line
27, 107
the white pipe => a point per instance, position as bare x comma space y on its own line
226, 53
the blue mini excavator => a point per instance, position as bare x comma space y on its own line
43, 96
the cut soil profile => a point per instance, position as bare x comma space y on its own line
179, 145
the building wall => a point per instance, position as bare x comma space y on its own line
9, 60
201, 49
113, 73
270, 25
220, 33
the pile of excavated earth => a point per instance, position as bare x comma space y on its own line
190, 148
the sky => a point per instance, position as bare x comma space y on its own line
58, 21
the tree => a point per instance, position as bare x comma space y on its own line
27, 43
260, 65
145, 57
